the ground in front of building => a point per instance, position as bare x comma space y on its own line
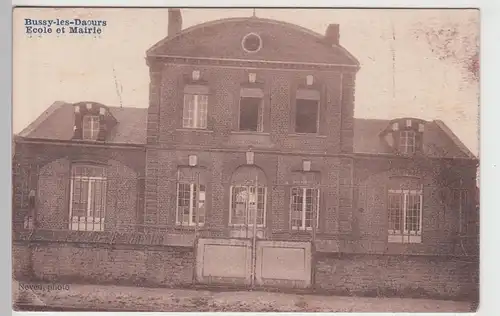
108, 297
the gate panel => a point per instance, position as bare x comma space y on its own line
224, 261
283, 263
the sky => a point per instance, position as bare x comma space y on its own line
72, 68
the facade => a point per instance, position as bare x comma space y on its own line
249, 153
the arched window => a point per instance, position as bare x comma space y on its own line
88, 198
248, 197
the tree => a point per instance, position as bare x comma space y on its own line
457, 42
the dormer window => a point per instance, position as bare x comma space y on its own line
91, 127
93, 121
407, 142
404, 136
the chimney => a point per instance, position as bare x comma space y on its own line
332, 34
174, 21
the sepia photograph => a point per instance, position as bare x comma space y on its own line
245, 159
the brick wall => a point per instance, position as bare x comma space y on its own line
219, 168
367, 275
403, 276
103, 264
440, 223
50, 179
279, 86
54, 195
21, 261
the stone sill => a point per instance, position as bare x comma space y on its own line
198, 130
305, 135
405, 239
250, 133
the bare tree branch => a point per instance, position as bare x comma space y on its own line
455, 42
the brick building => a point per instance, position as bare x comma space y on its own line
249, 144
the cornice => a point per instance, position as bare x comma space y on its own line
153, 61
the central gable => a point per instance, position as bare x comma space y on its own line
253, 39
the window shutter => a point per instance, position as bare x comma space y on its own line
101, 136
77, 133
419, 142
397, 137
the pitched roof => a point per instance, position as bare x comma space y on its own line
57, 124
438, 139
282, 41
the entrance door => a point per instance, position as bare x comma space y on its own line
247, 213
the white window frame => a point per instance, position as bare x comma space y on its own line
405, 146
92, 132
89, 223
190, 221
304, 206
406, 236
247, 187
195, 117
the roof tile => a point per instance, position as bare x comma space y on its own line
57, 124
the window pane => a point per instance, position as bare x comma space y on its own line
306, 116
183, 197
90, 127
395, 211
309, 207
202, 111
79, 197
239, 198
261, 205
194, 113
249, 114
88, 197
296, 204
96, 198
188, 111
407, 142
201, 205
413, 213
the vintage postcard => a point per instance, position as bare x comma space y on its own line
286, 160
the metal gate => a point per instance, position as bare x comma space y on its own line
252, 262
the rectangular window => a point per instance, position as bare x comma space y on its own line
245, 204
304, 204
195, 111
405, 216
306, 116
188, 213
91, 127
251, 115
88, 198
407, 142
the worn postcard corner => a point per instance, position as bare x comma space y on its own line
245, 160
